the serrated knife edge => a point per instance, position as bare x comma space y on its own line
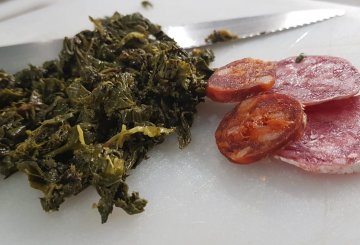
194, 35
339, 13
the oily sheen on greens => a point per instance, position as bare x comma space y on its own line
90, 116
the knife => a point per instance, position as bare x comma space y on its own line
16, 57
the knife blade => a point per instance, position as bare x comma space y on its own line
16, 57
193, 35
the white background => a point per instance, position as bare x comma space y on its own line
195, 195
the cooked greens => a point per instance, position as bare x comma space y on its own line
221, 36
299, 58
146, 4
89, 117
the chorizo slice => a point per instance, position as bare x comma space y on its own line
317, 79
240, 79
331, 142
260, 126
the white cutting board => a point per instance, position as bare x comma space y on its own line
195, 195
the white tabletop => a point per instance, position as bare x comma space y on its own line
195, 196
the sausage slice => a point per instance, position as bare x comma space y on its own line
317, 79
331, 140
259, 126
241, 79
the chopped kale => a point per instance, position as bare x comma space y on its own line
147, 4
221, 36
300, 58
90, 116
